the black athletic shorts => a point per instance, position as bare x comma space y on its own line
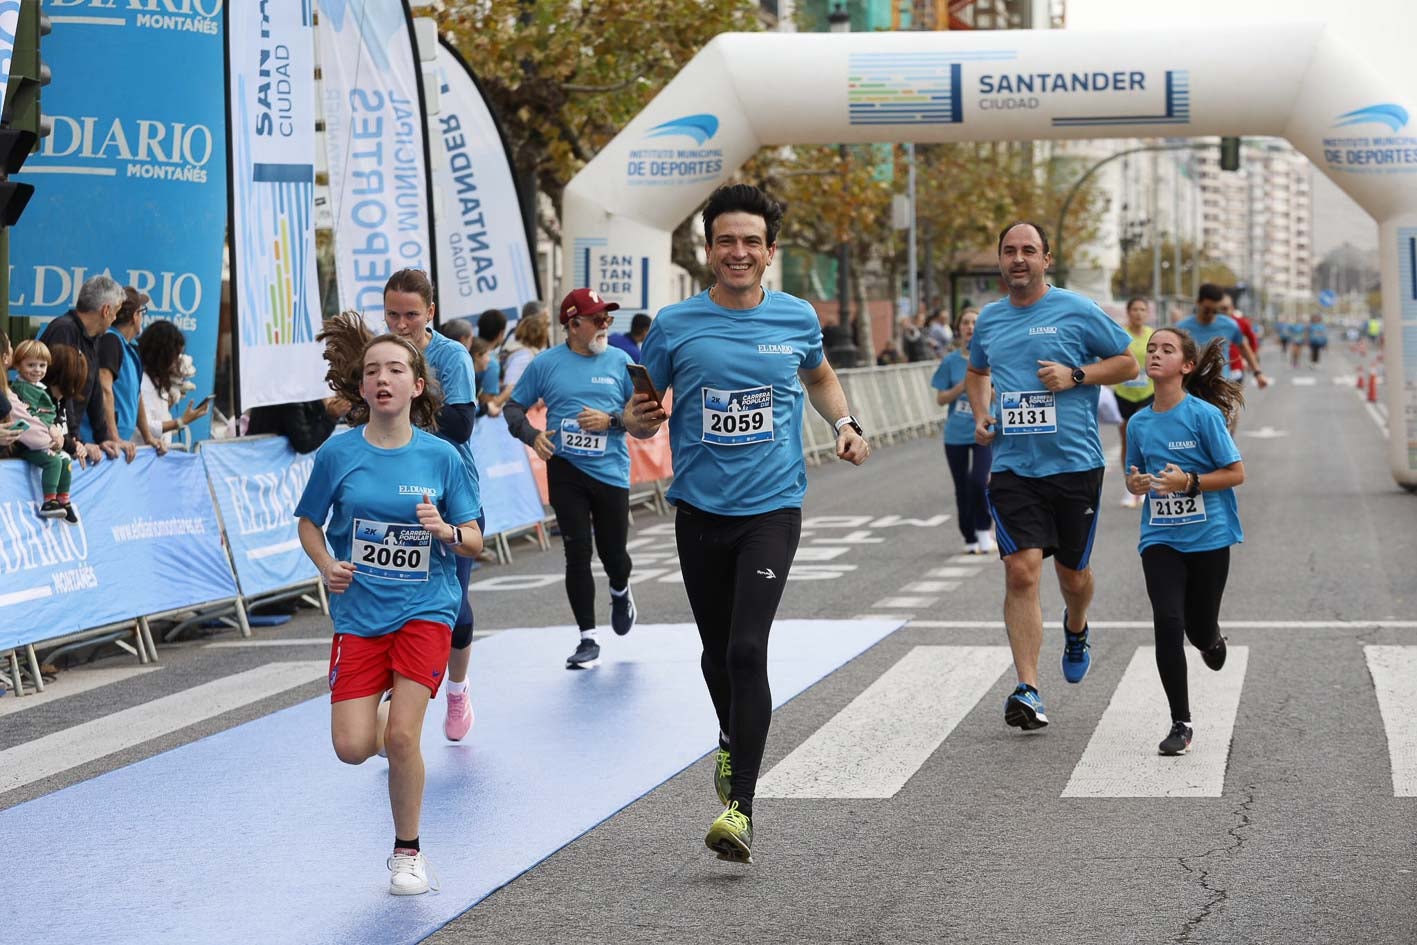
1056, 513
1128, 408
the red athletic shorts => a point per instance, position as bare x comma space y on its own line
365, 666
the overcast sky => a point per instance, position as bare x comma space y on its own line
1384, 30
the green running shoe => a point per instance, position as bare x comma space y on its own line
722, 775
731, 835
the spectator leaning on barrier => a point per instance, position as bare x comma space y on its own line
160, 349
491, 329
306, 425
41, 442
80, 328
629, 342
65, 379
120, 375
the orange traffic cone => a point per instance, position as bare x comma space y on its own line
1372, 387
1361, 384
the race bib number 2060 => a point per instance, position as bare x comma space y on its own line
391, 551
737, 417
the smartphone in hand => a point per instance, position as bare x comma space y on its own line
643, 385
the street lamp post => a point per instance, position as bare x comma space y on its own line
839, 20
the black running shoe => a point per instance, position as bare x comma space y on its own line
586, 655
51, 508
1178, 742
70, 515
1215, 656
622, 612
1024, 709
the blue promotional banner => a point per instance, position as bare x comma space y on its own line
509, 496
132, 181
275, 290
483, 259
147, 541
257, 482
377, 149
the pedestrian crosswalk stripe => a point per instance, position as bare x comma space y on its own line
871, 748
1394, 671
80, 744
71, 684
1121, 759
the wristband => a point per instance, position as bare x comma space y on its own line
455, 538
1194, 488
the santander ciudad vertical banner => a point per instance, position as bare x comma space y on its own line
483, 258
374, 140
132, 181
274, 284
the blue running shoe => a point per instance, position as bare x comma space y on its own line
1076, 659
1024, 709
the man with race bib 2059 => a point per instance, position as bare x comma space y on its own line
1046, 350
586, 389
739, 358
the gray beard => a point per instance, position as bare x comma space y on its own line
598, 345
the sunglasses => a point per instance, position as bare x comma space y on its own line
600, 321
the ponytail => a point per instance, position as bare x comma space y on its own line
1209, 380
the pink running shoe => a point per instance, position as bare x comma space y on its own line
459, 718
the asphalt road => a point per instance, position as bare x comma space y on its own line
1305, 843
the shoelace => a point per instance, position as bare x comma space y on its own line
734, 818
403, 863
1076, 645
725, 764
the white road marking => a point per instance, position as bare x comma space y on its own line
1394, 668
1380, 624
875, 745
929, 587
951, 572
893, 602
81, 744
287, 641
1121, 759
71, 683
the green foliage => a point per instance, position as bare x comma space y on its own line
1135, 277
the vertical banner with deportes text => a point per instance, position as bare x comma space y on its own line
274, 285
132, 181
375, 142
483, 258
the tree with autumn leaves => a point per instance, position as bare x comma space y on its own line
565, 76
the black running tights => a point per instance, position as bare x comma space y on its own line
1185, 590
734, 571
970, 485
585, 506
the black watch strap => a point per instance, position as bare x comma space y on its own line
847, 421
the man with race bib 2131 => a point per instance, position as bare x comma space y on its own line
1046, 350
739, 358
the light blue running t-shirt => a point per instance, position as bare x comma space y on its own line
1039, 432
369, 496
452, 366
1223, 327
569, 382
736, 424
959, 425
1192, 435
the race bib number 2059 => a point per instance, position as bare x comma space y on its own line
737, 417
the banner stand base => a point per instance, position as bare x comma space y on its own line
17, 679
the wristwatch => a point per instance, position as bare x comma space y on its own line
1079, 378
850, 421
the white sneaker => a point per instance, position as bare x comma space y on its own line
410, 874
971, 549
986, 542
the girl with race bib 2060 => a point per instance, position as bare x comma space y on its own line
1181, 457
375, 520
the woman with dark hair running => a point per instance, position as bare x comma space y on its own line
389, 491
408, 313
969, 461
1180, 455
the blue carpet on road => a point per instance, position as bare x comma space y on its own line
259, 834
